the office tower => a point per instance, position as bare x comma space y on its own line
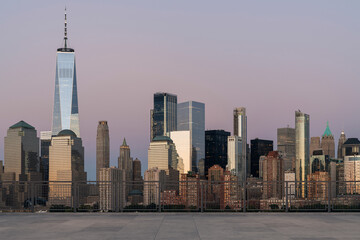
328, 142
137, 178
189, 190
152, 178
240, 130
319, 162
191, 117
102, 147
286, 146
137, 170
234, 163
162, 154
45, 142
21, 151
215, 176
302, 135
111, 183
125, 162
182, 141
273, 175
261, 161
164, 114
215, 148
259, 147
314, 145
351, 156
342, 140
66, 163
66, 111
318, 185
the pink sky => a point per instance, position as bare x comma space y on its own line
273, 57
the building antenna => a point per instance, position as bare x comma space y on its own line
65, 30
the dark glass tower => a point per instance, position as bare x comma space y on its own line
164, 115
66, 111
259, 147
191, 117
215, 148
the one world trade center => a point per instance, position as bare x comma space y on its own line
66, 110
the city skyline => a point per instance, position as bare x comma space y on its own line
217, 98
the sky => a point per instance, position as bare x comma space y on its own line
272, 57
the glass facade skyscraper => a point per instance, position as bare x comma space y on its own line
259, 147
191, 117
240, 130
66, 111
216, 148
164, 115
302, 149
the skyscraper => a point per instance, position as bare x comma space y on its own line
341, 142
126, 163
351, 155
216, 148
182, 141
302, 135
102, 147
66, 163
328, 142
45, 142
21, 151
286, 146
162, 154
138, 180
240, 130
273, 175
164, 115
191, 117
259, 147
314, 144
66, 111
234, 164
111, 178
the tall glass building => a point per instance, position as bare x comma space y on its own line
191, 117
66, 111
240, 130
164, 115
302, 149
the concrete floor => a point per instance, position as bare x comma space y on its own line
297, 226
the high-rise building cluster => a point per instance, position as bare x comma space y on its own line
185, 161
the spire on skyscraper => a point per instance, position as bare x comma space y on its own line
124, 142
65, 30
327, 132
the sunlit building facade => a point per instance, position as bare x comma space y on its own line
234, 163
21, 151
240, 130
302, 136
66, 164
182, 141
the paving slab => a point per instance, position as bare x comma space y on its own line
293, 226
